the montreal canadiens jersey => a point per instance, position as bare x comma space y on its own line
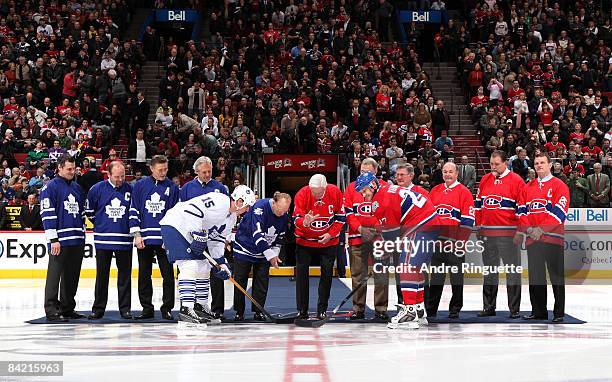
150, 201
358, 212
398, 208
496, 204
108, 208
260, 234
330, 220
62, 211
455, 209
418, 189
544, 203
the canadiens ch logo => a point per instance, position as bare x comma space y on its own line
538, 205
492, 201
319, 224
445, 210
364, 208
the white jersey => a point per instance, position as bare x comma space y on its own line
206, 214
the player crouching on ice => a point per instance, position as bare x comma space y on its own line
189, 229
413, 217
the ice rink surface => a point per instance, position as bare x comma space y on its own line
334, 352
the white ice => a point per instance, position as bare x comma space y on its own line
335, 352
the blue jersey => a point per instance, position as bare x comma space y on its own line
108, 208
62, 211
260, 233
195, 188
150, 201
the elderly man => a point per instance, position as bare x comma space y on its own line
599, 188
455, 209
319, 218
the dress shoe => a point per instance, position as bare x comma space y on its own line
453, 315
557, 320
145, 315
321, 316
514, 315
74, 315
381, 317
258, 316
534, 317
357, 316
166, 315
219, 316
486, 313
56, 318
126, 315
95, 316
303, 315
239, 317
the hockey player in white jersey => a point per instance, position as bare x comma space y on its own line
192, 227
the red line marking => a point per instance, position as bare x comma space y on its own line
291, 369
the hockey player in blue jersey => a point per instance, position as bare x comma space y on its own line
108, 205
203, 184
257, 246
195, 226
151, 198
62, 212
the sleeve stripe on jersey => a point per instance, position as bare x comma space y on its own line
556, 212
111, 234
47, 210
69, 238
49, 218
467, 221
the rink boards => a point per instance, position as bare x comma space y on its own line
588, 251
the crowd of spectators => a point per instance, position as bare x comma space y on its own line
538, 78
288, 76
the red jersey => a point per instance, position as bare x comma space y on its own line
514, 94
552, 148
496, 204
383, 103
544, 203
477, 101
455, 209
330, 220
594, 151
358, 212
397, 207
413, 187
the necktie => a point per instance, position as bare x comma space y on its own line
597, 184
463, 173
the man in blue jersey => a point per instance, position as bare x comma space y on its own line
62, 213
151, 197
108, 205
257, 246
203, 184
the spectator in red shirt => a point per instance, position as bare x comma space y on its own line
592, 148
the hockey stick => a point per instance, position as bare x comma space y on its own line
306, 323
277, 320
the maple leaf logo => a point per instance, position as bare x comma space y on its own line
270, 235
115, 210
155, 205
258, 211
71, 206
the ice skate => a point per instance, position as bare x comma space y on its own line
190, 320
406, 318
203, 311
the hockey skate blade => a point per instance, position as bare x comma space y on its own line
411, 325
423, 321
190, 326
284, 318
306, 323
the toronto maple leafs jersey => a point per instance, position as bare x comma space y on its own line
62, 211
150, 200
206, 214
260, 234
108, 209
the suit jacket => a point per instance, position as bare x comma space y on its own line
142, 112
604, 188
30, 219
467, 176
519, 167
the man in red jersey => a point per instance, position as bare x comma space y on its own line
319, 217
497, 219
359, 216
455, 209
544, 204
404, 214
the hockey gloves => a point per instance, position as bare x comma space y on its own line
198, 245
223, 272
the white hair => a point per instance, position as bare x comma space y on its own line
200, 161
317, 180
